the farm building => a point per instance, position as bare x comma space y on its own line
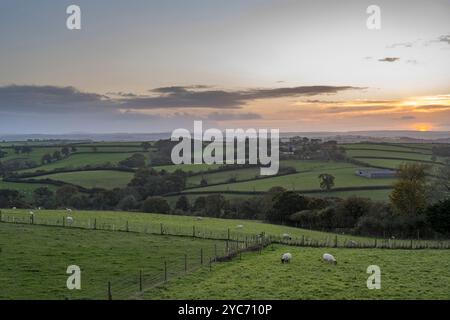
376, 173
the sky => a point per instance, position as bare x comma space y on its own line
153, 66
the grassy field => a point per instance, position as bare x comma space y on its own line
107, 179
25, 188
388, 147
80, 160
34, 260
421, 274
180, 224
388, 154
344, 177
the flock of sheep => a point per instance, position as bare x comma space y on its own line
329, 258
285, 258
68, 218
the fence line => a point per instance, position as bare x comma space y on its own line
226, 235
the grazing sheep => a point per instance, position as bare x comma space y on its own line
69, 220
14, 208
286, 258
239, 226
199, 218
329, 258
286, 236
31, 213
68, 210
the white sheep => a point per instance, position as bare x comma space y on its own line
68, 210
14, 208
239, 226
69, 220
286, 236
31, 213
199, 218
286, 257
329, 258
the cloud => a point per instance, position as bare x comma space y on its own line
401, 45
195, 97
389, 59
406, 118
216, 116
53, 99
321, 101
444, 38
435, 107
348, 109
412, 61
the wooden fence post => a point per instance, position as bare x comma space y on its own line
127, 227
193, 231
201, 256
215, 251
165, 270
228, 233
95, 224
63, 222
140, 280
109, 291
161, 229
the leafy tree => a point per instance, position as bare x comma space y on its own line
65, 151
46, 158
10, 198
326, 181
203, 182
350, 210
286, 204
155, 205
438, 216
183, 204
137, 160
215, 205
409, 194
199, 204
64, 193
26, 149
44, 197
146, 145
127, 203
57, 155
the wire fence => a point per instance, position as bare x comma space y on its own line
225, 235
133, 285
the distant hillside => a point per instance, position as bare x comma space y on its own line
342, 137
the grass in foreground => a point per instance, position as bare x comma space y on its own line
421, 274
34, 260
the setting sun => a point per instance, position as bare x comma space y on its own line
423, 127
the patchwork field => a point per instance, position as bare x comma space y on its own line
84, 159
107, 179
344, 177
238, 180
